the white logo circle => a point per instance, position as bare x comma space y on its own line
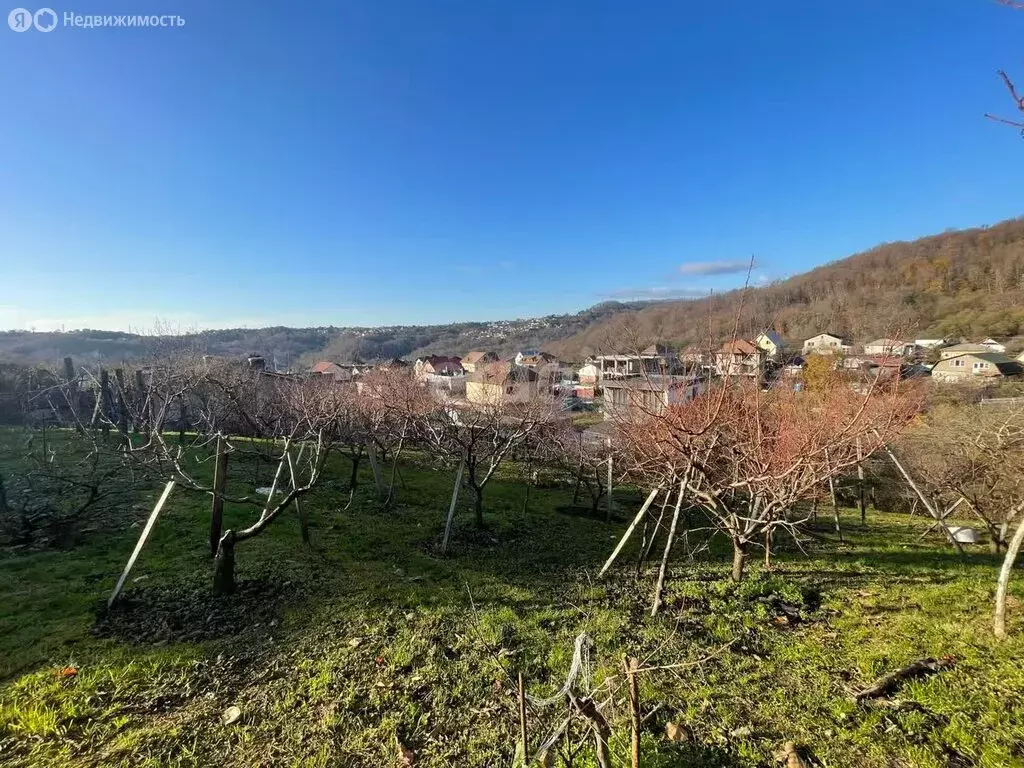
20, 20
45, 19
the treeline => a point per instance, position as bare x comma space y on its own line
295, 347
965, 283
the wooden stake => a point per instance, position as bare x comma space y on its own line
835, 502
668, 546
608, 513
629, 531
1012, 550
860, 486
451, 508
220, 477
522, 721
631, 666
927, 505
142, 540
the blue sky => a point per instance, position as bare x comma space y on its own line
385, 162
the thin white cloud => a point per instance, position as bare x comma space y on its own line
720, 267
660, 292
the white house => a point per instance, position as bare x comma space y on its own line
890, 347
930, 343
967, 348
588, 374
771, 342
827, 344
994, 346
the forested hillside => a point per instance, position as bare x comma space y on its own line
964, 283
295, 347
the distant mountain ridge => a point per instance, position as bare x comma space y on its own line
960, 283
298, 347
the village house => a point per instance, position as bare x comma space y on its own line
793, 368
501, 382
693, 357
739, 358
587, 375
891, 347
536, 360
987, 365
649, 394
518, 360
994, 346
931, 343
967, 348
655, 359
827, 344
771, 343
438, 365
340, 372
476, 359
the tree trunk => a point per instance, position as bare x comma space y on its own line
1012, 550
739, 559
353, 478
224, 565
220, 475
861, 506
478, 505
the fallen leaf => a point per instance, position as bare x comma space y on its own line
676, 732
67, 672
355, 642
405, 756
231, 715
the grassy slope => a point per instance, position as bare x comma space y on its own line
377, 640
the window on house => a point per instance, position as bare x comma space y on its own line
958, 363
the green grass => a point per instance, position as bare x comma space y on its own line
375, 640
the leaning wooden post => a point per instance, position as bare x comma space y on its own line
608, 513
631, 667
629, 531
927, 504
451, 507
522, 722
1012, 550
142, 540
220, 478
668, 546
860, 485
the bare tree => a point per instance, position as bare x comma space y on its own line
479, 437
1015, 96
749, 457
290, 420
971, 457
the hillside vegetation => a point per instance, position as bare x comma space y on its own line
297, 346
964, 283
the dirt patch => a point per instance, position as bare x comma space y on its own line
161, 615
